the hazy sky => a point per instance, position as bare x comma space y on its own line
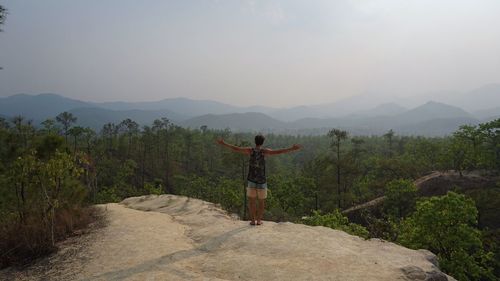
277, 53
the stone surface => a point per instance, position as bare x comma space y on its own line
414, 273
171, 237
438, 276
430, 257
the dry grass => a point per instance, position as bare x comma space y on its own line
21, 243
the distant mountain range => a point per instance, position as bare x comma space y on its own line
485, 97
184, 106
385, 109
492, 113
430, 119
358, 115
38, 107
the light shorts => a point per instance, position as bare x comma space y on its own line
257, 190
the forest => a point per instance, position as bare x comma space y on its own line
53, 173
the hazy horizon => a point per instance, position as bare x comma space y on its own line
408, 102
271, 53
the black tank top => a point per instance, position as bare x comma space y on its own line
257, 167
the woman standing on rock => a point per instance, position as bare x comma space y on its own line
257, 184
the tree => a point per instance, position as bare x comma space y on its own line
66, 119
57, 182
157, 128
357, 149
243, 159
469, 136
161, 128
457, 153
48, 145
400, 197
490, 134
229, 195
131, 129
389, 136
22, 176
23, 128
338, 136
3, 123
75, 132
3, 13
286, 197
165, 129
425, 153
109, 131
445, 225
49, 126
88, 136
45, 199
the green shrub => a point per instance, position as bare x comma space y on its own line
108, 195
400, 197
153, 188
336, 220
45, 205
445, 225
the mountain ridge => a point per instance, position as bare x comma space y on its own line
376, 120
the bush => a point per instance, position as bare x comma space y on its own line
289, 198
229, 195
153, 189
43, 206
108, 195
22, 243
336, 220
445, 225
400, 197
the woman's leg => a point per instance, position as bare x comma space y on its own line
252, 208
260, 212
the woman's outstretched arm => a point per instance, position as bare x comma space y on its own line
244, 150
294, 147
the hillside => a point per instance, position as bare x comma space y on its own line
484, 97
171, 237
431, 111
488, 113
250, 121
435, 127
188, 107
385, 109
38, 107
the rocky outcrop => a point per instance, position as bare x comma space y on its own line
439, 183
171, 237
434, 184
286, 251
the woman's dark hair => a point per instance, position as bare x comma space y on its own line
259, 139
